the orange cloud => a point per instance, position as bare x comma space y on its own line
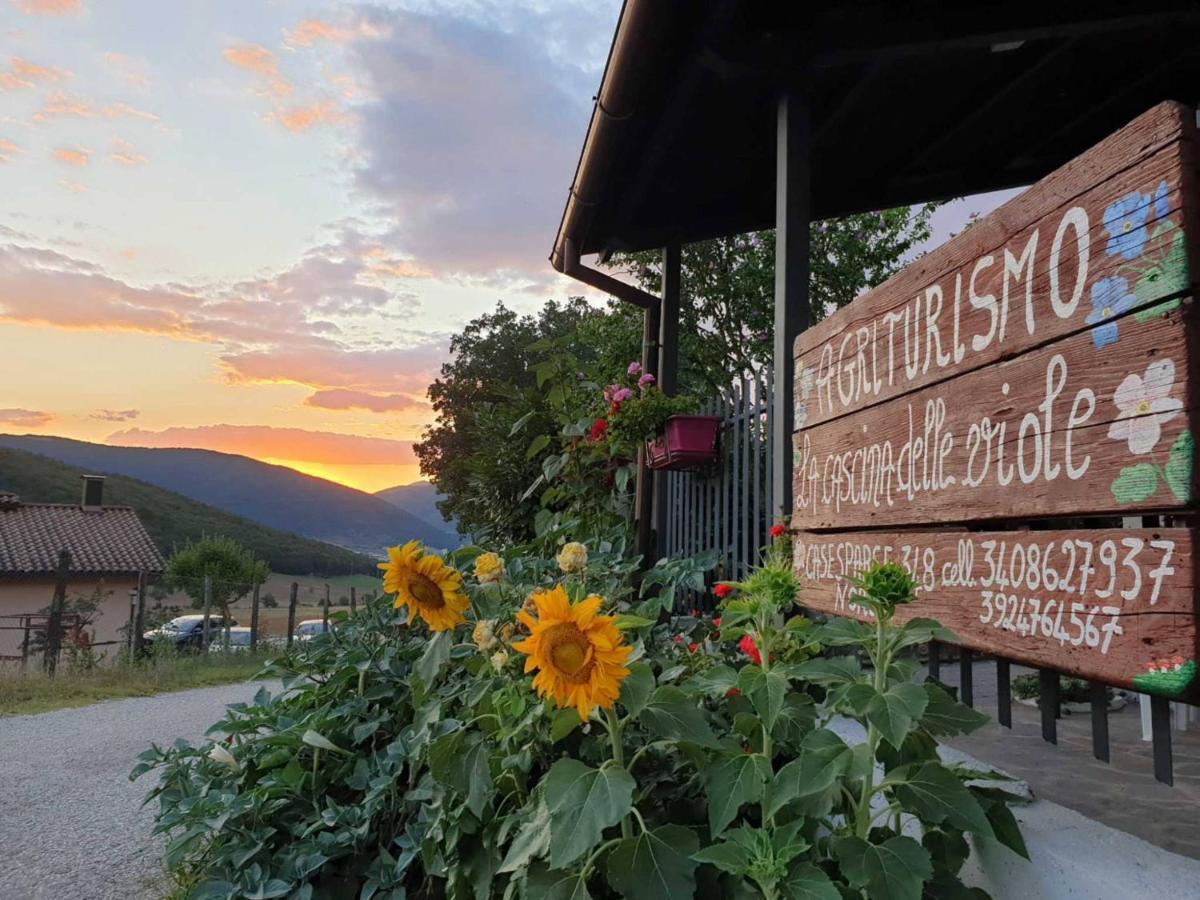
24, 74
115, 110
260, 441
25, 418
382, 264
48, 7
308, 31
8, 150
77, 157
60, 103
131, 70
301, 118
258, 59
344, 399
73, 186
126, 154
115, 415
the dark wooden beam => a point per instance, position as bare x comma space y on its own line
793, 195
667, 370
644, 492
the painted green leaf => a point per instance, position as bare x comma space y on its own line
656, 865
636, 689
934, 794
739, 779
1135, 483
895, 710
1169, 684
582, 802
824, 758
946, 717
1168, 277
895, 869
671, 714
765, 691
806, 882
1178, 470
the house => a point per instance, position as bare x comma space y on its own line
109, 550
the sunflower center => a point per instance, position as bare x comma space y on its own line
426, 592
570, 650
1142, 408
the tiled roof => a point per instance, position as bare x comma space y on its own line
106, 541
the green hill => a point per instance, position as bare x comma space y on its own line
173, 519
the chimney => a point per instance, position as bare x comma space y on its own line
93, 491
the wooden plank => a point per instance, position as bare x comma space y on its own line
1026, 274
1106, 605
1038, 435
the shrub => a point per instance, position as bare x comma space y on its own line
650, 756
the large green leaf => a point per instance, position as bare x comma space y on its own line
715, 682
934, 794
462, 764
806, 882
843, 632
544, 884
824, 758
636, 689
1005, 828
582, 802
532, 840
894, 711
437, 653
656, 865
726, 856
1178, 470
921, 631
893, 870
831, 670
945, 716
765, 691
671, 714
739, 779
797, 718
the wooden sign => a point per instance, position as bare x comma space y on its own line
1113, 606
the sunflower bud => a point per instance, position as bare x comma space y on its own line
888, 584
573, 557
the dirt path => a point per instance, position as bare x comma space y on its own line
71, 823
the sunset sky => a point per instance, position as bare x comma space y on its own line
253, 226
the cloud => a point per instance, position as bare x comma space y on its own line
390, 370
22, 74
309, 31
118, 110
302, 118
126, 154
60, 104
261, 441
115, 415
343, 399
257, 59
8, 150
131, 70
73, 186
25, 418
72, 157
472, 136
48, 7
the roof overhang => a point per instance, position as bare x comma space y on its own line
909, 102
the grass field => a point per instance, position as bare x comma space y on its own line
33, 692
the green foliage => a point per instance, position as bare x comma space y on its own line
232, 571
402, 764
173, 520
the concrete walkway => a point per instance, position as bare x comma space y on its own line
1122, 794
72, 826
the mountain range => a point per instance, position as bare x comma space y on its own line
275, 496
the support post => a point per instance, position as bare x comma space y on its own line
668, 368
139, 619
643, 508
254, 620
325, 611
793, 157
205, 636
353, 601
292, 613
54, 623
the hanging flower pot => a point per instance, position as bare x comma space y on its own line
686, 442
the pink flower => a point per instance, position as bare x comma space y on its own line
634, 368
646, 380
1144, 404
622, 395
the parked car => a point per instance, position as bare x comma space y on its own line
187, 631
310, 628
239, 640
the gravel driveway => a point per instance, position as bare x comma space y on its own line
71, 823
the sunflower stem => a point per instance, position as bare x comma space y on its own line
618, 756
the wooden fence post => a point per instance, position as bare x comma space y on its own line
292, 613
139, 618
54, 623
207, 611
254, 620
353, 601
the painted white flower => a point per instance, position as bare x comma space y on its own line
806, 382
1144, 404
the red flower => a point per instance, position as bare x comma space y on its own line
599, 429
695, 613
692, 647
747, 646
722, 591
733, 692
778, 531
716, 622
678, 639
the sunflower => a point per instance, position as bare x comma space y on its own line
580, 656
429, 587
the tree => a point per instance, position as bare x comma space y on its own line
487, 387
232, 569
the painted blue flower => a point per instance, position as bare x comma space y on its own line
1125, 220
1161, 207
1111, 298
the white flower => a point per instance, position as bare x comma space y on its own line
498, 659
1144, 406
220, 755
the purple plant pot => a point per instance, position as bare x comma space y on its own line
687, 442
